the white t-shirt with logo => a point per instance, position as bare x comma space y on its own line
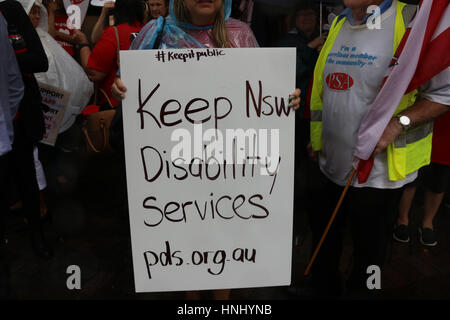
354, 71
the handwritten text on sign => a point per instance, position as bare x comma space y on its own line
56, 100
209, 146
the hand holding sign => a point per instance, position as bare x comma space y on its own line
118, 89
294, 99
107, 4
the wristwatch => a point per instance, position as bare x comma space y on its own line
81, 45
404, 121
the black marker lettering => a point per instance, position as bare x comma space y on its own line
142, 104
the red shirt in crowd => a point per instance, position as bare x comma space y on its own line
61, 26
103, 57
440, 151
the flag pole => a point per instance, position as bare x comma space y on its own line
320, 19
336, 209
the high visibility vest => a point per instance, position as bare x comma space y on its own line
412, 149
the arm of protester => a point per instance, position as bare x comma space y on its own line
118, 89
318, 42
51, 18
100, 24
421, 112
434, 101
85, 52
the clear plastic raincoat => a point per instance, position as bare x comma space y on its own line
63, 71
185, 35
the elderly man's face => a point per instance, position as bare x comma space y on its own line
360, 4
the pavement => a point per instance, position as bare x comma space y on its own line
88, 226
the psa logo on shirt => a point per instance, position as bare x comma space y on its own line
339, 81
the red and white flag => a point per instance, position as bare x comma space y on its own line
422, 54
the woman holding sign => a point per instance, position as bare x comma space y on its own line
196, 24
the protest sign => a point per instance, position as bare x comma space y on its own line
209, 148
56, 100
100, 3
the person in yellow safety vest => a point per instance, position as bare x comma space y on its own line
347, 78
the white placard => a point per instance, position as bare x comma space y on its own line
220, 221
100, 3
56, 100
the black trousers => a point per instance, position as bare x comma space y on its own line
22, 173
370, 213
5, 288
302, 175
3, 196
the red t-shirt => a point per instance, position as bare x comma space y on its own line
440, 152
103, 57
61, 26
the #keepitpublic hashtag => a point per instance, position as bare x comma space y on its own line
161, 56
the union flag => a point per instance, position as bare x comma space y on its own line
422, 54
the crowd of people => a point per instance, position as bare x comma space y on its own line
36, 42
